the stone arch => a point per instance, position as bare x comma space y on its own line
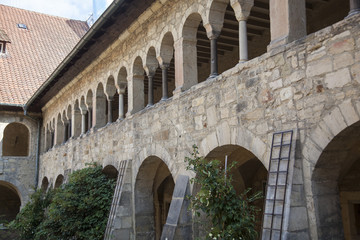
316, 140
44, 184
60, 130
122, 86
59, 181
235, 136
110, 171
166, 60
215, 15
153, 74
76, 119
100, 110
136, 86
10, 201
16, 140
154, 186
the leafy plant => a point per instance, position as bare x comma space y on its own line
232, 216
30, 217
78, 210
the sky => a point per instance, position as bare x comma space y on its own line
74, 9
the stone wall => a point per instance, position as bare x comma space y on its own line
305, 85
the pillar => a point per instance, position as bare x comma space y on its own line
76, 123
287, 21
164, 68
214, 56
354, 7
90, 116
121, 104
83, 122
150, 89
135, 94
110, 104
242, 10
185, 64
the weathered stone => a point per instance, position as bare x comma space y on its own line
338, 78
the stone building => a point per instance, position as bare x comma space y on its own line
273, 85
32, 45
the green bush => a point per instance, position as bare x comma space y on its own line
79, 209
232, 216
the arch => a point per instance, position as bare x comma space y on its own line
59, 130
235, 136
249, 172
10, 201
16, 140
110, 87
44, 184
122, 85
59, 181
216, 15
100, 109
112, 99
316, 140
335, 185
136, 87
110, 171
152, 78
153, 191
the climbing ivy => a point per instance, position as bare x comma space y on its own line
232, 216
78, 210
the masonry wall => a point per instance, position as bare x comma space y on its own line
295, 86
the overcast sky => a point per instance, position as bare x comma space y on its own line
74, 9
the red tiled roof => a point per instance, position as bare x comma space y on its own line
35, 52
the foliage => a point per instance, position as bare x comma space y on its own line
232, 216
32, 214
79, 209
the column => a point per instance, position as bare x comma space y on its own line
214, 57
83, 122
110, 104
90, 116
287, 21
135, 94
242, 11
121, 104
150, 89
164, 68
354, 7
70, 129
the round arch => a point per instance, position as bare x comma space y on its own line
10, 201
154, 186
16, 140
59, 181
110, 171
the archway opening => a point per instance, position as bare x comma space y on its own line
110, 171
9, 202
154, 187
336, 188
320, 14
16, 140
44, 184
167, 65
59, 181
249, 172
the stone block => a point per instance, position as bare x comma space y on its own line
276, 84
319, 67
343, 60
211, 115
123, 234
355, 72
335, 121
342, 46
349, 113
338, 79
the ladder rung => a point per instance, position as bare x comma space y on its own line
276, 200
281, 145
279, 172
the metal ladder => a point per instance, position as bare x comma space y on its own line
276, 185
116, 198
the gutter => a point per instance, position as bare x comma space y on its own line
37, 157
85, 39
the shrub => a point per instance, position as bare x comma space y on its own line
78, 210
232, 216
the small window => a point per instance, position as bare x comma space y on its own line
22, 25
16, 140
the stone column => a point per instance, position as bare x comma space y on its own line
150, 89
242, 10
83, 122
76, 123
90, 116
214, 56
354, 7
110, 104
164, 68
121, 104
287, 21
135, 94
185, 64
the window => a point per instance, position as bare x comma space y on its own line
22, 25
16, 140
